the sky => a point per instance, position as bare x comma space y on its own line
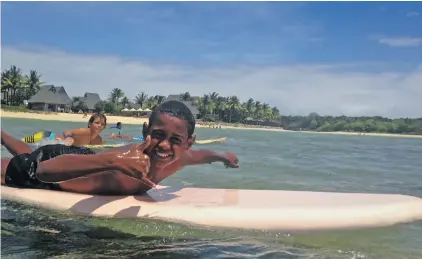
333, 58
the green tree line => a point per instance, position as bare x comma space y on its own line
315, 122
211, 107
16, 87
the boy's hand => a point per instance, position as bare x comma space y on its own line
135, 163
69, 141
230, 160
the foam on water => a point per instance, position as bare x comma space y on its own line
46, 141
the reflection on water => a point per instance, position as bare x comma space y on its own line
29, 232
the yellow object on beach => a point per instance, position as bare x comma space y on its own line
210, 141
33, 138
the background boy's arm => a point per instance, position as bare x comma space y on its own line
196, 157
81, 131
68, 135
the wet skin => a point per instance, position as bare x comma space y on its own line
86, 136
125, 170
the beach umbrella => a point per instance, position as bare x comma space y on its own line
140, 110
125, 110
133, 110
147, 110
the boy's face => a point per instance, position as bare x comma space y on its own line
169, 139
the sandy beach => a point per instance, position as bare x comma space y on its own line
138, 121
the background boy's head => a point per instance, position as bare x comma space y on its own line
98, 120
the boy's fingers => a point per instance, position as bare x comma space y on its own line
145, 145
148, 182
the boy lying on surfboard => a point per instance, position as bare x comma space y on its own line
87, 136
128, 170
76, 137
118, 126
119, 135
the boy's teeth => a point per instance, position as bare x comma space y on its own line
163, 155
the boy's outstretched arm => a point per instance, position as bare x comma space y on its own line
13, 145
196, 157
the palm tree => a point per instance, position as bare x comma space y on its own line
185, 97
266, 111
221, 106
233, 106
33, 82
275, 113
159, 99
258, 110
116, 94
151, 103
5, 85
125, 101
213, 96
250, 106
141, 98
12, 81
200, 104
206, 104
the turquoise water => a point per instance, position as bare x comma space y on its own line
269, 160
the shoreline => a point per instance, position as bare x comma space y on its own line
71, 117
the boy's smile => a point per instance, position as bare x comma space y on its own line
161, 154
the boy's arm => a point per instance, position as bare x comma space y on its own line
13, 145
196, 157
67, 167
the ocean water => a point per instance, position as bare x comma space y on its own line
268, 160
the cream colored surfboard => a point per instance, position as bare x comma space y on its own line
244, 209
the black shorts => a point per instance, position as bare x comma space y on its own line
21, 169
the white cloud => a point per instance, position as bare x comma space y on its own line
412, 14
401, 41
326, 89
